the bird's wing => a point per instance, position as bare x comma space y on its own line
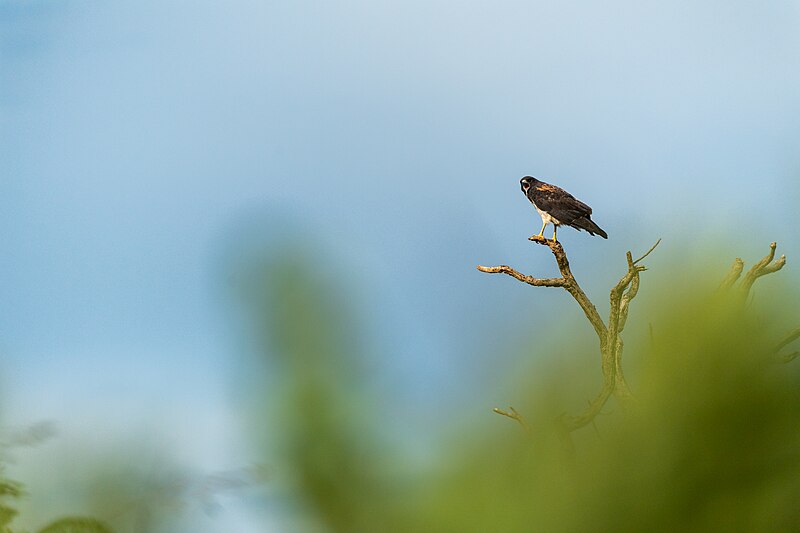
560, 204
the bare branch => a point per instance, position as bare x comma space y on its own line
567, 281
790, 357
633, 289
609, 336
767, 259
530, 280
787, 339
629, 295
514, 415
571, 285
733, 274
765, 266
571, 423
648, 251
622, 389
623, 292
620, 298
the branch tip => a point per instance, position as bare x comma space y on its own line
790, 357
764, 266
648, 251
512, 414
787, 339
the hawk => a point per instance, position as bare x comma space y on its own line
557, 206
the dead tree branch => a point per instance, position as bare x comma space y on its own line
514, 415
733, 274
763, 267
788, 358
530, 280
648, 251
567, 280
608, 335
766, 265
786, 341
621, 296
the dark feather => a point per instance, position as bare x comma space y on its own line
588, 224
558, 203
563, 207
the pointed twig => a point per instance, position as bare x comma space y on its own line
648, 251
514, 415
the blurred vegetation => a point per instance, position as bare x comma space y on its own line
130, 487
325, 429
711, 444
11, 490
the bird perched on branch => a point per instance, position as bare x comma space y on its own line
557, 206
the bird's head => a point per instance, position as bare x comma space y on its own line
526, 183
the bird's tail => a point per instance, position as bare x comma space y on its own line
587, 224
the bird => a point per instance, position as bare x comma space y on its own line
557, 206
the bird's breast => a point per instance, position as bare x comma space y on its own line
546, 218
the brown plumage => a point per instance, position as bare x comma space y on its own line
557, 206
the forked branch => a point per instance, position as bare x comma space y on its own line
514, 415
767, 265
567, 280
786, 341
608, 335
621, 296
763, 267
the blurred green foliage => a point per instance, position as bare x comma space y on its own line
11, 490
76, 525
325, 429
712, 444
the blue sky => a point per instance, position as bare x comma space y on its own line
140, 144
